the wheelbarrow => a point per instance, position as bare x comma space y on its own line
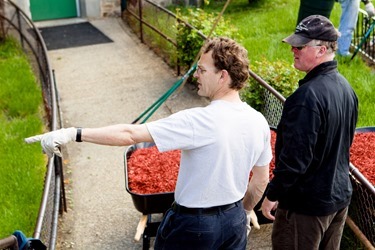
150, 205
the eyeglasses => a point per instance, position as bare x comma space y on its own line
200, 70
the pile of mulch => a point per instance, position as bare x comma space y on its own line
150, 171
362, 155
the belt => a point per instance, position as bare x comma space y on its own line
204, 211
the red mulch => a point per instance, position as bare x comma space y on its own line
362, 154
150, 171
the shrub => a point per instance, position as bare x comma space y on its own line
189, 41
278, 74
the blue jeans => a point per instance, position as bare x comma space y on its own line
224, 230
348, 21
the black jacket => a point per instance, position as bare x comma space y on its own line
314, 136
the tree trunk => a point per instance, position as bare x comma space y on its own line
2, 25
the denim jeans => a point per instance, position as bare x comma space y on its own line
224, 230
348, 21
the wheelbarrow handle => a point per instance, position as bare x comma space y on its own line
141, 227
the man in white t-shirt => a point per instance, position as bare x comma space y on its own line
220, 144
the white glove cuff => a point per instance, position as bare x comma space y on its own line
70, 134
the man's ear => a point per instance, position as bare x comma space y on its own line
322, 50
224, 74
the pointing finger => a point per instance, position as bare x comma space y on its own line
33, 139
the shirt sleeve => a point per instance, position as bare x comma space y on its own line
173, 132
266, 156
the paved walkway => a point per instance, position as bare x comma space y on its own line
101, 85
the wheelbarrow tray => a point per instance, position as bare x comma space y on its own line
146, 203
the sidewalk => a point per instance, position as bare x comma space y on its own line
101, 85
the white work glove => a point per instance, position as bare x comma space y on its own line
370, 9
252, 218
52, 140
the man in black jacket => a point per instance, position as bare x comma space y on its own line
311, 188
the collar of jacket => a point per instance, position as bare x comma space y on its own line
319, 70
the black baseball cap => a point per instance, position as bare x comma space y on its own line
312, 27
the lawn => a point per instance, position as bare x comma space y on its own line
21, 165
263, 24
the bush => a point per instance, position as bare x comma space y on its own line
189, 41
278, 74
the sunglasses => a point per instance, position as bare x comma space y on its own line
302, 47
299, 47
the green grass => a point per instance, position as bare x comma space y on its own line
263, 24
21, 165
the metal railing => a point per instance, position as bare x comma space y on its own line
156, 27
9, 243
364, 36
16, 24
363, 194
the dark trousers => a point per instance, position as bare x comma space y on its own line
223, 230
292, 231
314, 7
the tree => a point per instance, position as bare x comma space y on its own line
2, 13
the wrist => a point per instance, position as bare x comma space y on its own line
271, 197
79, 134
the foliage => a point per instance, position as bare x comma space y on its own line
21, 165
265, 23
189, 41
279, 74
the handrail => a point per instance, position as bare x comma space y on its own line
139, 17
267, 86
359, 176
9, 242
23, 38
31, 39
359, 42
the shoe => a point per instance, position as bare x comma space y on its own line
348, 54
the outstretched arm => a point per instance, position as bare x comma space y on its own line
117, 135
114, 135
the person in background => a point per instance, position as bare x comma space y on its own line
314, 7
220, 144
311, 188
348, 18
348, 21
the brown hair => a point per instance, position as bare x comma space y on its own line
229, 55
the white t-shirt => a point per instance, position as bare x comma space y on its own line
220, 144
